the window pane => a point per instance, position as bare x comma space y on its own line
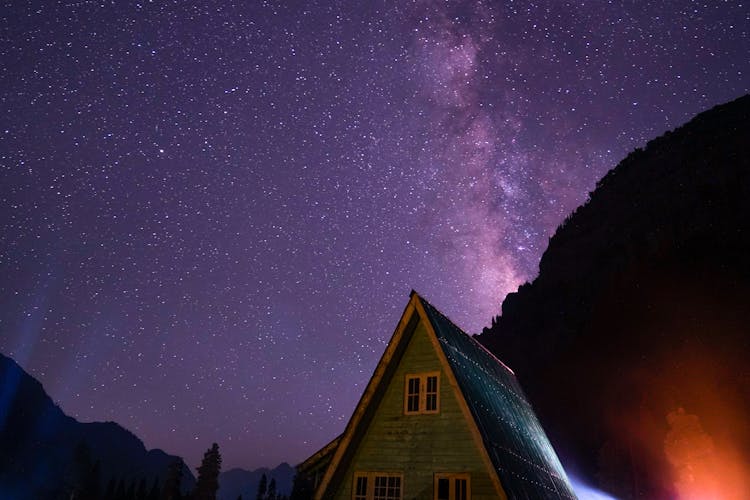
431, 402
413, 403
413, 386
387, 488
431, 384
460, 489
381, 483
360, 492
412, 395
431, 394
443, 489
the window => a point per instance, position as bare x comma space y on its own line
360, 488
412, 395
377, 486
387, 488
421, 393
452, 487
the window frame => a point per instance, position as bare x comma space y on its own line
451, 477
422, 401
370, 483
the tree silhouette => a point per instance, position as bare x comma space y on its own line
155, 490
208, 475
172, 483
262, 488
120, 492
84, 480
92, 483
272, 490
141, 493
301, 488
110, 491
130, 495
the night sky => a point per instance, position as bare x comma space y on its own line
212, 213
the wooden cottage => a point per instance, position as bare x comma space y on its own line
441, 419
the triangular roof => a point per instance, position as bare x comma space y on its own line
515, 449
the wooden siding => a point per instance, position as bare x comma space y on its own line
418, 446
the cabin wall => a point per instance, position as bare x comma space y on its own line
418, 446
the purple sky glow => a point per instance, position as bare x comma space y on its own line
212, 213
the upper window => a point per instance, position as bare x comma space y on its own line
452, 487
422, 393
377, 486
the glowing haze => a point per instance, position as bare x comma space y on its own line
212, 214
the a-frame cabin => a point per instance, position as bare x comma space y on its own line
441, 419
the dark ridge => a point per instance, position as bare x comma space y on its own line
640, 306
38, 443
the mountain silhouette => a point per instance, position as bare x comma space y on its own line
236, 482
38, 443
634, 338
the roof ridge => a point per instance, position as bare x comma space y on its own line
471, 337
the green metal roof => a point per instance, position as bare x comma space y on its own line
525, 461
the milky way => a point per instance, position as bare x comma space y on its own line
212, 214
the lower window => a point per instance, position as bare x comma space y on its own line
377, 486
452, 487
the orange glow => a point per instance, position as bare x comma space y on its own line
702, 468
688, 421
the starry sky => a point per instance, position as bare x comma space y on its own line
212, 213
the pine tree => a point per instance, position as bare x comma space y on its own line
92, 483
208, 475
155, 490
120, 492
301, 488
110, 491
81, 470
171, 489
262, 488
130, 495
141, 492
272, 489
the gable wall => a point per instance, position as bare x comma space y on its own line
418, 445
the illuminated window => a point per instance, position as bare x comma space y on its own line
452, 487
377, 486
421, 393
